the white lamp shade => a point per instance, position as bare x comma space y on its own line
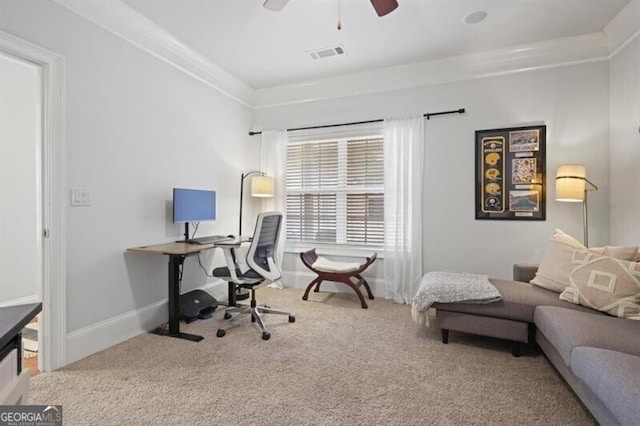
261, 186
571, 182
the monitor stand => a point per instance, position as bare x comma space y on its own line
186, 232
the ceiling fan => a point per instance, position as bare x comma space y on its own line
382, 7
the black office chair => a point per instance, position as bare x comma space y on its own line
260, 268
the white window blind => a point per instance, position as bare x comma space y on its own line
335, 191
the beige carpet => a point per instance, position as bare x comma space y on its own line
337, 364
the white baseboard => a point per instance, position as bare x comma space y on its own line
97, 337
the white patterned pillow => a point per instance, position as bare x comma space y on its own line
564, 253
619, 252
606, 284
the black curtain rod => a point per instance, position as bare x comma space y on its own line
428, 115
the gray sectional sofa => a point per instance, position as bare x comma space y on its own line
598, 355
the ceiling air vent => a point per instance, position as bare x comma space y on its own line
327, 52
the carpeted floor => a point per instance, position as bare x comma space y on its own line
337, 364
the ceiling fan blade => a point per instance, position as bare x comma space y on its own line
275, 5
384, 7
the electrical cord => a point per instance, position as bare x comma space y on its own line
195, 228
204, 270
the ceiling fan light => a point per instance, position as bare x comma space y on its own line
475, 17
275, 5
384, 7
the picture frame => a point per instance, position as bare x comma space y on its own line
510, 173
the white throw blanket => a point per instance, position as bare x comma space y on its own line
448, 287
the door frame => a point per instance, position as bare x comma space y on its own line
52, 294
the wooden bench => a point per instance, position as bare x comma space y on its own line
346, 273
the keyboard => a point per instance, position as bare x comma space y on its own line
210, 239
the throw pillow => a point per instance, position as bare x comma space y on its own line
606, 284
619, 252
565, 253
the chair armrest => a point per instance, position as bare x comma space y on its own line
524, 272
227, 244
229, 248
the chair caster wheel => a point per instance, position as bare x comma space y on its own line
227, 315
266, 335
221, 333
292, 318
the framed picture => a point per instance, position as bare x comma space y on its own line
510, 173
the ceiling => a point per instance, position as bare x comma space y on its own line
264, 48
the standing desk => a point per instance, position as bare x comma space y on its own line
177, 253
14, 381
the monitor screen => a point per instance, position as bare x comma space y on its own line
193, 205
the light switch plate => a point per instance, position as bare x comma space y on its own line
80, 197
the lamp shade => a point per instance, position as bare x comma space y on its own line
571, 183
262, 186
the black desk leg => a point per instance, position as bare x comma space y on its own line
174, 299
19, 351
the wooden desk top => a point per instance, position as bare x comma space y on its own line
173, 248
183, 248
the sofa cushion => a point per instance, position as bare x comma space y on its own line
564, 253
567, 329
607, 284
518, 302
614, 377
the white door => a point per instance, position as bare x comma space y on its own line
21, 117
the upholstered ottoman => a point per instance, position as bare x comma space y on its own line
510, 318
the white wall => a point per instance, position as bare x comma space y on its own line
625, 145
135, 128
571, 101
20, 159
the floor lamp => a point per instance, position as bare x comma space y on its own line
261, 186
571, 186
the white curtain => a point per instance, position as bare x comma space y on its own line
273, 163
403, 187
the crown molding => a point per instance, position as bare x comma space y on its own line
544, 55
121, 20
624, 28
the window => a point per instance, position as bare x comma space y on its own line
335, 191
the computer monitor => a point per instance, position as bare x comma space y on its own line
193, 205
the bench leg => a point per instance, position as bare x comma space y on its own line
344, 280
311, 284
357, 290
445, 336
366, 285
